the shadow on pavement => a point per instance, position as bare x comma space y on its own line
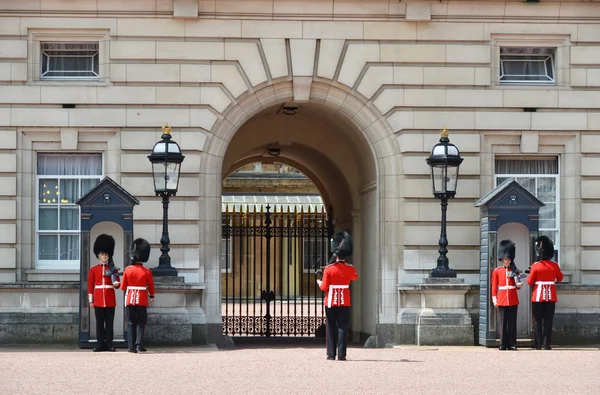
384, 360
281, 342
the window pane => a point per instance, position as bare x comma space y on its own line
47, 191
69, 247
69, 218
546, 189
500, 180
527, 183
48, 247
48, 218
69, 164
87, 185
511, 166
548, 216
68, 191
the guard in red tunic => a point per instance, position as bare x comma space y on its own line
505, 283
102, 282
139, 287
543, 275
336, 284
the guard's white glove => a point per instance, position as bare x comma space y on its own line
90, 299
319, 282
495, 300
519, 285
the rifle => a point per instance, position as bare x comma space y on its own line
112, 270
332, 260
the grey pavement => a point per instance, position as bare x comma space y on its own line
299, 368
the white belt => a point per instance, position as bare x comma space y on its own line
330, 294
103, 286
538, 294
507, 287
140, 288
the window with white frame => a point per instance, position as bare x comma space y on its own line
527, 65
540, 177
61, 180
69, 61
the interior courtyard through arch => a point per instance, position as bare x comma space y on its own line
324, 145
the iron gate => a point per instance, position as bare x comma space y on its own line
268, 263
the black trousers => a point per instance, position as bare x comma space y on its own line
105, 317
338, 319
508, 319
543, 315
136, 324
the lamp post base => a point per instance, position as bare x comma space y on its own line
438, 273
164, 271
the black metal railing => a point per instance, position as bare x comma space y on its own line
268, 263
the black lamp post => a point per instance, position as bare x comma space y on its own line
444, 161
166, 161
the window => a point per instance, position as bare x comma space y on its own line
61, 180
73, 61
527, 65
541, 178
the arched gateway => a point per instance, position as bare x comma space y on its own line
346, 147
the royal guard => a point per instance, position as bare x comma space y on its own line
543, 275
102, 282
505, 283
139, 287
336, 284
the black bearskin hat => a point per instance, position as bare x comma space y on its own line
140, 251
341, 245
104, 243
544, 248
506, 249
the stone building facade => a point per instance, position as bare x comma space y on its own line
353, 93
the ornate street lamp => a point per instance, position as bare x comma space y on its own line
166, 161
444, 161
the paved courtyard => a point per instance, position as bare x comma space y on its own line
298, 369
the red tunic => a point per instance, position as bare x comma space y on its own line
336, 282
101, 292
543, 275
504, 288
138, 285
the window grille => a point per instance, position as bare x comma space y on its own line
69, 61
527, 65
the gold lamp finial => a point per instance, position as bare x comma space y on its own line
166, 129
444, 132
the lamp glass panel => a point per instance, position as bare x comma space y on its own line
158, 171
452, 150
451, 178
166, 176
172, 178
173, 148
438, 174
159, 148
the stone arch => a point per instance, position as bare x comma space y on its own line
366, 125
